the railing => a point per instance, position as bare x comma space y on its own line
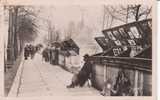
138, 65
134, 63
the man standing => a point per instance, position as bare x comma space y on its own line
26, 52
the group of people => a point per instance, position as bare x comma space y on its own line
30, 50
122, 86
50, 54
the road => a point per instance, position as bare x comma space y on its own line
39, 78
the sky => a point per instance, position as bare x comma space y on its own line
62, 15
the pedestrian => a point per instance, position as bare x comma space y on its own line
33, 51
26, 52
29, 50
47, 54
83, 75
44, 54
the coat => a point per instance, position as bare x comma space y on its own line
84, 73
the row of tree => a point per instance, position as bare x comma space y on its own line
22, 28
124, 14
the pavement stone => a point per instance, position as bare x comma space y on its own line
43, 79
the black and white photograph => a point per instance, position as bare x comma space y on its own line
77, 50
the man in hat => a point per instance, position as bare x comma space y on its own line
83, 75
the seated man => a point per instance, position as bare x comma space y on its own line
83, 75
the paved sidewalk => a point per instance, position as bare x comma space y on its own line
42, 79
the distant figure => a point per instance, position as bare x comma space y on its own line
83, 75
37, 48
45, 55
33, 51
26, 52
29, 49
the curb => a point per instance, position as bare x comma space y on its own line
16, 83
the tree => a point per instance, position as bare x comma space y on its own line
22, 28
53, 34
57, 36
27, 28
71, 30
124, 14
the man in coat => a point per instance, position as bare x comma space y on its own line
83, 75
26, 52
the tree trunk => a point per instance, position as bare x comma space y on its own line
10, 53
137, 12
15, 33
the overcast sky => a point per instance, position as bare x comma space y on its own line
62, 15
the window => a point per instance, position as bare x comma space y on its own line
123, 33
116, 34
124, 48
106, 40
124, 42
132, 42
104, 43
121, 30
131, 35
135, 32
110, 35
117, 42
137, 48
117, 51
